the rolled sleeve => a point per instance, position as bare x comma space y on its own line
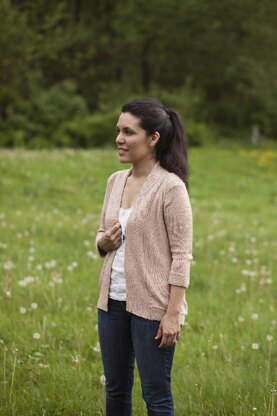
179, 225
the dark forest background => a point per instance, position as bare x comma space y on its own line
66, 67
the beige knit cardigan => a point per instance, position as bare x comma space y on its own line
158, 245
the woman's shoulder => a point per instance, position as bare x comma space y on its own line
118, 173
171, 180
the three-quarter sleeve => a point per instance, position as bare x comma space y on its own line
102, 229
179, 224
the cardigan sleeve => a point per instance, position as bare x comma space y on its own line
179, 225
102, 229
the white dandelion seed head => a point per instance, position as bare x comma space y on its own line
22, 310
92, 255
34, 306
254, 316
102, 380
36, 335
269, 338
9, 265
255, 346
241, 319
96, 348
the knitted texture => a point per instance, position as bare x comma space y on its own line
158, 249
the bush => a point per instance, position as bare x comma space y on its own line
91, 131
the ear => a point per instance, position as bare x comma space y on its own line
155, 138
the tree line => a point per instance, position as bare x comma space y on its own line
66, 67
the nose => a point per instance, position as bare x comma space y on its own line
119, 139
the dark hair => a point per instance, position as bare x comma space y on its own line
172, 147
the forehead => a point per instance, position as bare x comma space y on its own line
128, 120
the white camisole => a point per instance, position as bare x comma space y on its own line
117, 285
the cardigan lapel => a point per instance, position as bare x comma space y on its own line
147, 191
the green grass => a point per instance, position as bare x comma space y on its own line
50, 203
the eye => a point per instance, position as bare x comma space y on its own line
129, 132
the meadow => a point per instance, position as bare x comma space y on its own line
226, 359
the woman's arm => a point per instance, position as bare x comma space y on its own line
169, 329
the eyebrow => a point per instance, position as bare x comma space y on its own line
125, 127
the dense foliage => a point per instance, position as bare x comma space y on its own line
66, 67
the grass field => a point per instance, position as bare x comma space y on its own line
226, 360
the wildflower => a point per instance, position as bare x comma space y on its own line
34, 305
39, 267
36, 335
22, 310
92, 255
103, 380
50, 264
76, 359
215, 347
254, 316
241, 319
74, 264
96, 348
9, 265
269, 338
255, 346
8, 294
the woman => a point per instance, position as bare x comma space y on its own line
145, 236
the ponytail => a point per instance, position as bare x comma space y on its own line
172, 147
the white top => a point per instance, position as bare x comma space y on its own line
117, 285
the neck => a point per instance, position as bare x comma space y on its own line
142, 169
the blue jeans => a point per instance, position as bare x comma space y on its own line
123, 338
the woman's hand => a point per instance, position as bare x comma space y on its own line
111, 239
169, 330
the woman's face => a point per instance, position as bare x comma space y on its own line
133, 143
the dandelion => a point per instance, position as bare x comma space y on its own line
92, 255
234, 260
255, 346
215, 347
74, 264
76, 359
36, 335
8, 294
39, 267
70, 268
86, 243
34, 306
269, 338
241, 319
89, 309
254, 316
19, 235
102, 380
50, 264
22, 310
96, 348
3, 245
9, 265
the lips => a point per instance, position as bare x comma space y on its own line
125, 150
